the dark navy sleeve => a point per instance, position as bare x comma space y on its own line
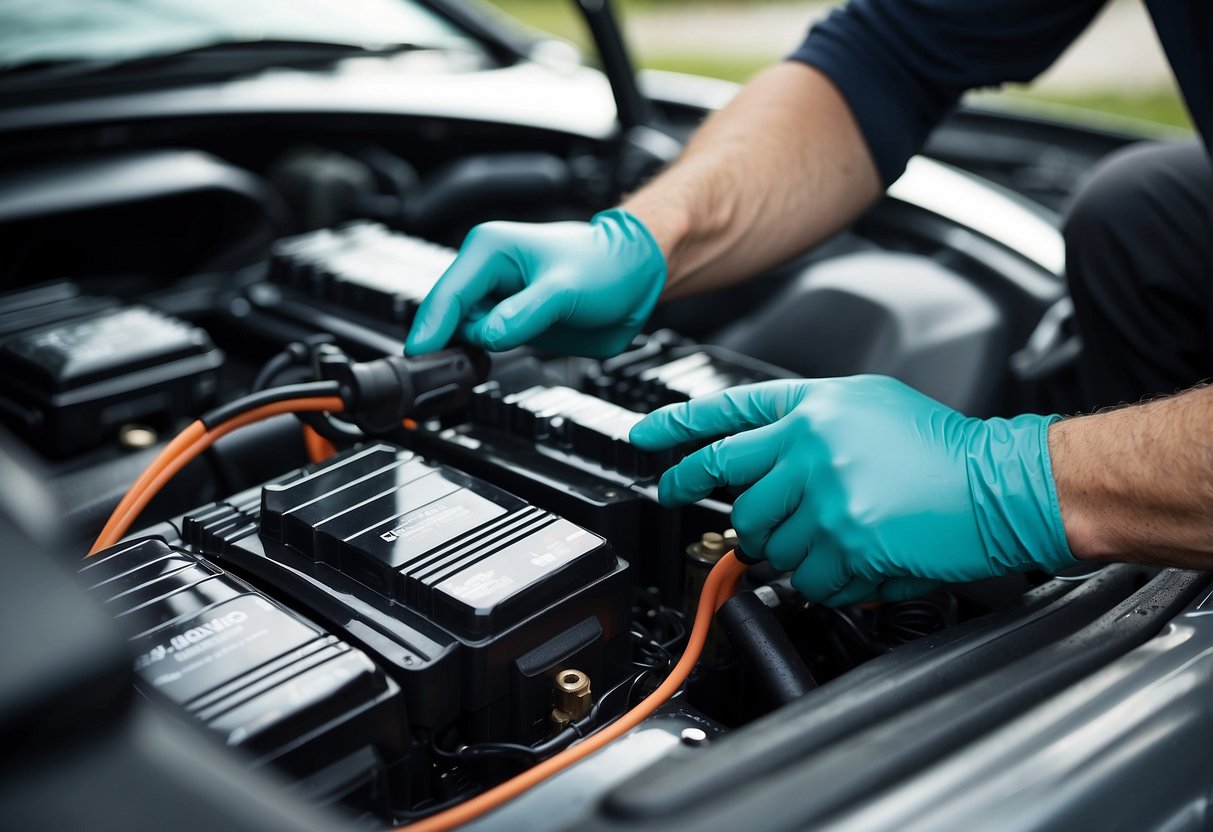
902, 64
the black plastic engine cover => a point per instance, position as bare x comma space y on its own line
568, 449
76, 368
467, 595
263, 678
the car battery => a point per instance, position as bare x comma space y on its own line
468, 595
264, 679
78, 368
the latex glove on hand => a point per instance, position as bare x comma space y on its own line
865, 488
570, 287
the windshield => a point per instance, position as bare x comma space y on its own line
36, 31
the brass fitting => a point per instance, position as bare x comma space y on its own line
573, 698
701, 556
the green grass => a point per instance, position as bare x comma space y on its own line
559, 18
1159, 106
739, 68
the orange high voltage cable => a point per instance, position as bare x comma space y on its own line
186, 447
318, 448
718, 588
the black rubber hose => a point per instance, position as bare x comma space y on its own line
765, 647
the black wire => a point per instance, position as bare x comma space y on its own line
337, 431
492, 749
334, 430
680, 632
301, 353
574, 731
435, 808
295, 353
533, 752
244, 404
598, 705
655, 621
663, 661
635, 682
656, 653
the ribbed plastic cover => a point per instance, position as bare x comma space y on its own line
465, 554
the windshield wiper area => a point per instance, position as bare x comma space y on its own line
212, 60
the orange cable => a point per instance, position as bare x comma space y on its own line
170, 451
318, 448
186, 447
718, 588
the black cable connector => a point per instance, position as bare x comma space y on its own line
748, 560
382, 393
294, 354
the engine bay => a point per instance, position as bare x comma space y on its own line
397, 620
262, 570
392, 616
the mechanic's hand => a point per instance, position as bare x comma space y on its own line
866, 488
570, 287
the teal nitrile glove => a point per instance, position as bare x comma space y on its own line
865, 488
570, 287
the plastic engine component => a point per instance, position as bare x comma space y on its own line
915, 318
577, 423
567, 449
362, 267
263, 678
78, 368
662, 370
466, 594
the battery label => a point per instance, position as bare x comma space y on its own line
519, 565
409, 536
222, 644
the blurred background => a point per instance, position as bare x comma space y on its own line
1116, 68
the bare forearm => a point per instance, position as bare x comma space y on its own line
1136, 484
780, 169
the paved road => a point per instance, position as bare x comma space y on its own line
1118, 52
